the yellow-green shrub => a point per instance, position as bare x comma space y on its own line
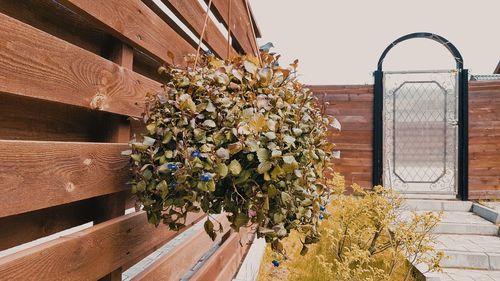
364, 238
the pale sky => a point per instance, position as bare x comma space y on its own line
340, 42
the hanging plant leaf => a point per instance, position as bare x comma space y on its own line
240, 135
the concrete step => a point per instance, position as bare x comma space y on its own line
469, 241
465, 228
429, 196
490, 214
460, 259
456, 274
470, 251
460, 223
437, 205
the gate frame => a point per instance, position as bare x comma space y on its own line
463, 112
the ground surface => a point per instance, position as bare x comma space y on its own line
470, 242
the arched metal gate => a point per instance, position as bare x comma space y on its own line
420, 127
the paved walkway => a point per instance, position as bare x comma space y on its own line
470, 241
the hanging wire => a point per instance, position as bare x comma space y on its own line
229, 30
202, 34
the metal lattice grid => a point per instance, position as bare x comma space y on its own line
420, 112
419, 131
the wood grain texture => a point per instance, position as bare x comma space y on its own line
352, 105
55, 19
240, 23
89, 254
485, 194
224, 263
484, 140
36, 64
136, 24
177, 262
54, 173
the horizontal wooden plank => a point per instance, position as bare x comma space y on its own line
192, 14
350, 104
54, 173
29, 226
484, 194
339, 87
356, 154
240, 23
361, 137
224, 263
91, 253
32, 64
490, 180
341, 91
135, 23
344, 96
482, 156
356, 177
483, 140
177, 262
481, 85
485, 102
45, 120
331, 97
484, 163
55, 19
356, 126
352, 169
354, 162
353, 147
484, 171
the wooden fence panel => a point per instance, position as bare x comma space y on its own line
45, 120
180, 260
56, 19
352, 105
55, 173
192, 14
89, 254
32, 64
136, 24
484, 139
69, 78
224, 263
23, 228
239, 21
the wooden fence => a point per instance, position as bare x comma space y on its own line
71, 73
484, 140
353, 107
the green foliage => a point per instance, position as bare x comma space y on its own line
365, 238
236, 137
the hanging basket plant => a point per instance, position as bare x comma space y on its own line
242, 137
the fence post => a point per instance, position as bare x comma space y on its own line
377, 127
463, 134
117, 131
